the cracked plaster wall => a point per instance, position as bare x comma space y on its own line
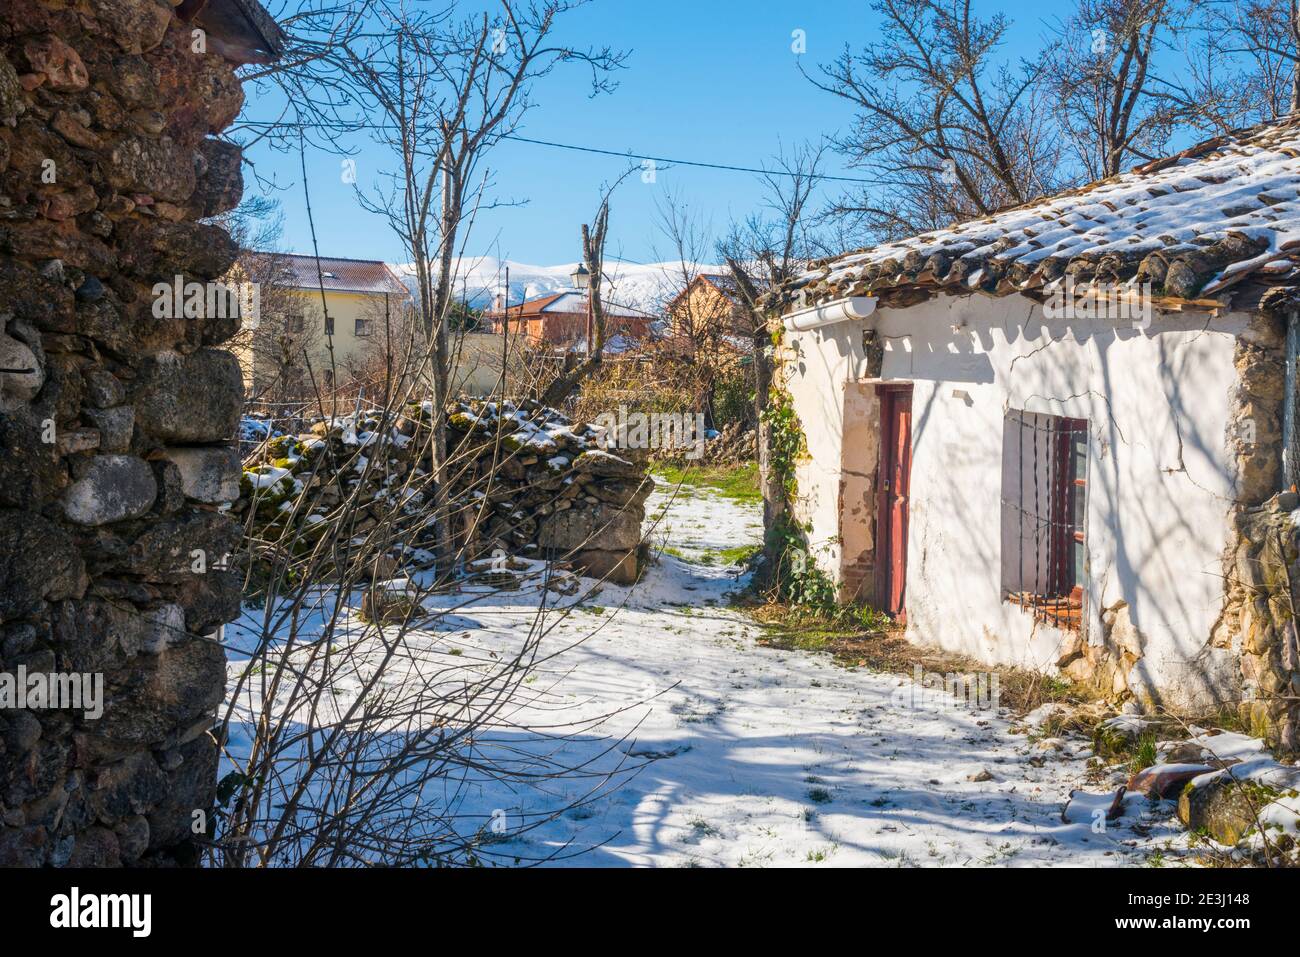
1162, 407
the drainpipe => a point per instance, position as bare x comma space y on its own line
856, 307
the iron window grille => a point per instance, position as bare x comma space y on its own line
1044, 510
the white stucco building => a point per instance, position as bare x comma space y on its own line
1032, 436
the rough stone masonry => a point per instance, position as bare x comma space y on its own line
114, 425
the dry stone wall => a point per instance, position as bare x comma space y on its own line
525, 481
114, 427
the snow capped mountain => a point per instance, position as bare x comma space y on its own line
646, 286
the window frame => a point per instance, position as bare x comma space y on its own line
1057, 594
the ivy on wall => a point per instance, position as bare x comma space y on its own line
797, 579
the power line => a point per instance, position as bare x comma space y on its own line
682, 162
725, 167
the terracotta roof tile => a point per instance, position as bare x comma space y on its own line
1194, 225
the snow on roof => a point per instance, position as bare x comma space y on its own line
576, 302
1193, 224
615, 345
573, 303
337, 275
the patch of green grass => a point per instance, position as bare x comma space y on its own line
1116, 745
738, 482
852, 618
1144, 756
801, 639
739, 555
840, 631
819, 796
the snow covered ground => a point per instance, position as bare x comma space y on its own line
699, 522
723, 752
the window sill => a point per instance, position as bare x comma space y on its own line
1064, 612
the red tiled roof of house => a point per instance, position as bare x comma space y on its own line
529, 308
336, 275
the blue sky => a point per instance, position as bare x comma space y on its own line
705, 80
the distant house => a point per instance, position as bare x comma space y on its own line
1049, 437
710, 304
349, 306
558, 322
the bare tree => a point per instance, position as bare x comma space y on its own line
1250, 60
948, 131
593, 236
352, 735
448, 89
1113, 104
311, 77
763, 252
701, 326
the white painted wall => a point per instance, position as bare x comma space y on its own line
1159, 482
825, 361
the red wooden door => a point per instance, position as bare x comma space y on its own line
892, 498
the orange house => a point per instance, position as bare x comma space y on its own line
710, 304
559, 321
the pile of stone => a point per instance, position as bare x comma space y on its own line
735, 444
1221, 784
524, 481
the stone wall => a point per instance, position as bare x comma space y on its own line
1262, 571
525, 481
114, 424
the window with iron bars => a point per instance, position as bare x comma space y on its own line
1044, 500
